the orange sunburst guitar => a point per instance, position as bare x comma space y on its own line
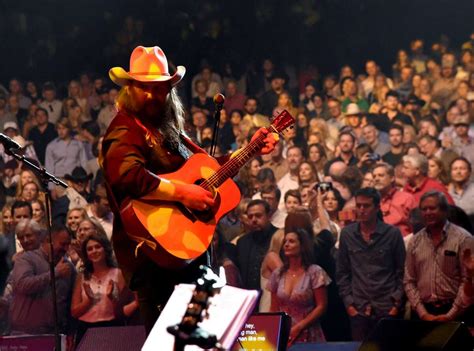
175, 234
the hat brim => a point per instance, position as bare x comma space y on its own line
121, 77
82, 179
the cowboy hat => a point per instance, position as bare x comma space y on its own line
78, 174
147, 65
353, 110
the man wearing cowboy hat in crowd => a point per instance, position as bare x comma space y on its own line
11, 130
145, 139
75, 196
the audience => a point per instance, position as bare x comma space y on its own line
406, 134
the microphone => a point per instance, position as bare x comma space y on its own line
219, 100
8, 143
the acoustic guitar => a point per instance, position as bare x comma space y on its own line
175, 235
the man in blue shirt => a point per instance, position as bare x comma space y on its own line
370, 266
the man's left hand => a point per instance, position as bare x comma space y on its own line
442, 318
270, 140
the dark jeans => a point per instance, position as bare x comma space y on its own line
154, 286
362, 325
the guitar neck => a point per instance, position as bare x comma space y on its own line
231, 167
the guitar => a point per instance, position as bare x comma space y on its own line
174, 234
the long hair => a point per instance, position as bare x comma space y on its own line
130, 99
109, 256
306, 250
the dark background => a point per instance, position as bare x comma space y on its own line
58, 39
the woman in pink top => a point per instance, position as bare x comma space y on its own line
100, 297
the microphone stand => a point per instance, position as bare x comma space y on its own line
217, 118
46, 177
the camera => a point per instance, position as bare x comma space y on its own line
374, 157
324, 186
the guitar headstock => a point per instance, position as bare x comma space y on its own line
282, 122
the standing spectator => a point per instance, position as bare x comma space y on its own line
202, 102
371, 136
50, 103
346, 146
350, 94
30, 235
461, 188
31, 310
444, 89
299, 288
234, 100
434, 278
16, 89
19, 114
392, 112
100, 210
101, 297
370, 266
42, 134
64, 153
252, 116
108, 112
415, 171
271, 194
395, 204
212, 79
269, 98
276, 162
294, 156
317, 156
252, 247
395, 137
75, 92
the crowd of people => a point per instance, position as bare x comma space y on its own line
363, 211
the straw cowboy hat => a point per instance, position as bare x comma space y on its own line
147, 65
353, 110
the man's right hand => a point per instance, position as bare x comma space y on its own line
194, 197
62, 269
429, 317
351, 311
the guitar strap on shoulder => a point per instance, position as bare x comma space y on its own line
191, 145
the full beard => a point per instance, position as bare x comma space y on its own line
167, 118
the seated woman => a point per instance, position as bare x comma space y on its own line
299, 288
100, 297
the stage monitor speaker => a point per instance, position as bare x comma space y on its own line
113, 338
396, 335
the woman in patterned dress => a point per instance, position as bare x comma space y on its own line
299, 288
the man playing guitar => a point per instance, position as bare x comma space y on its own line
144, 140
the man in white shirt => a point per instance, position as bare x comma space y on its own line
294, 156
50, 103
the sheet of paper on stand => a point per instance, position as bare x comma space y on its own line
228, 312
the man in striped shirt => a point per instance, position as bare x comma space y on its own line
434, 275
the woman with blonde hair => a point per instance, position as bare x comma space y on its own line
319, 125
271, 261
26, 176
285, 103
